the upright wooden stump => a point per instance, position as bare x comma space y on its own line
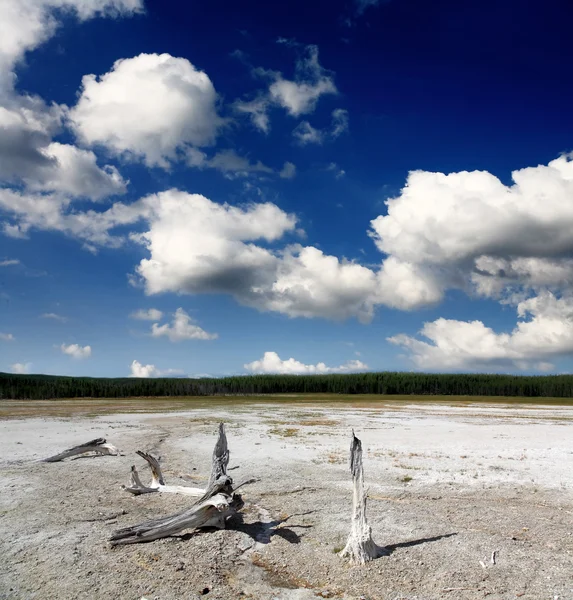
360, 547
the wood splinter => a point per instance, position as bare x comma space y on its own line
218, 469
218, 502
99, 446
360, 547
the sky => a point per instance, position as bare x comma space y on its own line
207, 189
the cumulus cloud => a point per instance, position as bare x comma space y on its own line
181, 328
25, 24
151, 314
20, 368
468, 230
298, 96
147, 371
76, 351
148, 107
7, 337
272, 363
543, 333
199, 246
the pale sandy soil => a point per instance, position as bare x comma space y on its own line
448, 485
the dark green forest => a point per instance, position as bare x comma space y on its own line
36, 387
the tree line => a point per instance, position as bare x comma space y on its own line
39, 387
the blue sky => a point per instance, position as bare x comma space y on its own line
191, 188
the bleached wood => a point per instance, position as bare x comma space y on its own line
211, 510
220, 461
99, 446
360, 547
217, 503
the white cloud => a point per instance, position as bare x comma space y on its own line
468, 230
297, 96
272, 363
54, 317
288, 171
181, 328
257, 109
338, 172
7, 337
304, 133
198, 246
233, 165
75, 173
20, 368
9, 262
25, 24
543, 333
147, 371
76, 351
148, 107
151, 314
339, 122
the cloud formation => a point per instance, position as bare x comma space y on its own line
297, 96
148, 107
7, 337
148, 371
181, 328
543, 333
272, 363
469, 231
76, 351
20, 368
150, 314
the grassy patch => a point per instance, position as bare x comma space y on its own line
288, 432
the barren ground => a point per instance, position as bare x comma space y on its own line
449, 484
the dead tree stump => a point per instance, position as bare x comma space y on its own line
217, 503
219, 464
360, 547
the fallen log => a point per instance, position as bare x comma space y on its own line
219, 465
360, 547
99, 446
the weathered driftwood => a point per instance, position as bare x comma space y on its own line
218, 502
99, 446
218, 470
360, 547
211, 510
157, 484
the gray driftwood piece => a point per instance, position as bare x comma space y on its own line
218, 502
211, 510
360, 547
99, 446
218, 469
136, 487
